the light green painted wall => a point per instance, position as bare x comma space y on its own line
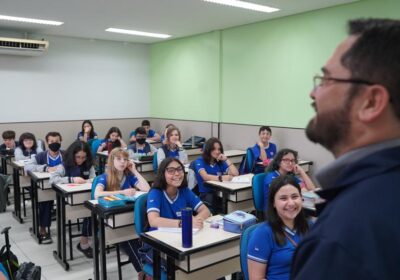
254, 74
184, 78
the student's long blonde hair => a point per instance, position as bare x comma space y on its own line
113, 183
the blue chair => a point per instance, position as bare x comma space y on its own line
248, 162
94, 145
155, 163
141, 226
244, 240
258, 195
94, 184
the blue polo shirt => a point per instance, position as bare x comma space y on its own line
268, 180
54, 161
263, 248
217, 169
158, 201
127, 182
150, 134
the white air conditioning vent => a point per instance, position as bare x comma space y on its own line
13, 46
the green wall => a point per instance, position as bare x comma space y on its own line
254, 74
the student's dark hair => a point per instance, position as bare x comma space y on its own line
272, 217
24, 136
160, 182
145, 123
140, 130
374, 58
264, 127
274, 164
53, 134
169, 125
112, 130
73, 149
8, 134
209, 147
91, 133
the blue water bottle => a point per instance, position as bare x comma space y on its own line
187, 230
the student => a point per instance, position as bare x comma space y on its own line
28, 146
141, 147
213, 165
285, 162
168, 195
172, 147
164, 135
113, 136
9, 143
272, 244
47, 161
122, 177
151, 134
264, 151
87, 132
78, 169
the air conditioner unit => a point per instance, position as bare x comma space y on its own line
14, 46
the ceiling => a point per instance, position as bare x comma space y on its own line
179, 18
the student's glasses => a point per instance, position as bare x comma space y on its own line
289, 161
173, 170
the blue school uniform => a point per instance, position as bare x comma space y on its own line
46, 158
262, 248
145, 150
269, 178
80, 134
126, 183
218, 169
158, 201
270, 151
150, 134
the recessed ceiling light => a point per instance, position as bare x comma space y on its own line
245, 5
30, 20
138, 33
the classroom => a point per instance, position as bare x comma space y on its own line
197, 77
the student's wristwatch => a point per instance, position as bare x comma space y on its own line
180, 223
220, 178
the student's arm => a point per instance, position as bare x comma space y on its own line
232, 170
33, 166
256, 270
208, 177
101, 147
153, 149
132, 137
142, 183
153, 211
156, 137
58, 176
133, 155
18, 155
183, 157
123, 144
308, 184
99, 191
160, 156
263, 154
92, 174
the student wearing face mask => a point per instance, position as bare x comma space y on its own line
46, 161
141, 147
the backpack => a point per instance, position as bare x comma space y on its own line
28, 271
7, 258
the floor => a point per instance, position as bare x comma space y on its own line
27, 250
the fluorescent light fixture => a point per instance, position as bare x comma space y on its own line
138, 33
30, 20
245, 5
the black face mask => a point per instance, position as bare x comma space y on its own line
55, 147
140, 141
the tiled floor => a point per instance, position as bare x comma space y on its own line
26, 249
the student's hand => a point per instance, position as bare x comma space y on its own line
79, 180
222, 157
197, 222
89, 180
298, 170
129, 192
87, 130
51, 169
260, 144
131, 166
103, 145
179, 144
227, 178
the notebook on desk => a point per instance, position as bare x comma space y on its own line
146, 158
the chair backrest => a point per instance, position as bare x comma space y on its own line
191, 176
258, 192
248, 162
244, 240
94, 184
94, 146
140, 214
155, 163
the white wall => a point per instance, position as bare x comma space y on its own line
77, 79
